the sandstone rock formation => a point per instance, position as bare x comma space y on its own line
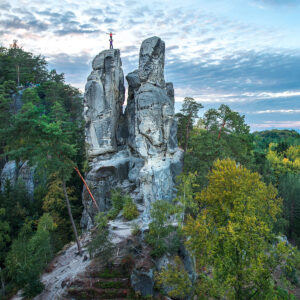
21, 173
137, 150
104, 98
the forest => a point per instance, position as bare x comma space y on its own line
237, 204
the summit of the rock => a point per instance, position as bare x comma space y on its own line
152, 61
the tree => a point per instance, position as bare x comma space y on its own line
6, 89
225, 134
4, 235
54, 203
289, 190
29, 255
189, 112
45, 142
162, 235
285, 162
101, 245
232, 232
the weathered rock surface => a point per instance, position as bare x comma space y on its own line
152, 61
104, 97
22, 173
137, 150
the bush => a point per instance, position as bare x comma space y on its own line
135, 229
130, 211
162, 234
117, 202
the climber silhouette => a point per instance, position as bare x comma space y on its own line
111, 40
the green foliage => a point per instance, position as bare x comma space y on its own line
108, 284
162, 235
135, 228
29, 254
54, 203
117, 203
225, 134
281, 294
18, 207
4, 235
101, 245
289, 190
48, 131
130, 211
176, 279
109, 274
187, 116
285, 162
120, 202
21, 66
233, 230
185, 194
262, 139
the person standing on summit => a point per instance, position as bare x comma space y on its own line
111, 40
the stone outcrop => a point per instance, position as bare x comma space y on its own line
23, 173
104, 97
137, 150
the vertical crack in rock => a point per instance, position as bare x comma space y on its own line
136, 151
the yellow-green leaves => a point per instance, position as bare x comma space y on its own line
232, 232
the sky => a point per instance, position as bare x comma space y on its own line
244, 53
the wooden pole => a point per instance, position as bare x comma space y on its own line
89, 191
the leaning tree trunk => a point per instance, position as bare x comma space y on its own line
71, 216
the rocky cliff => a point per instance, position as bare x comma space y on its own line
22, 173
135, 150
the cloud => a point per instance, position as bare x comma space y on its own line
129, 49
17, 23
277, 124
246, 74
93, 12
5, 6
109, 20
279, 2
283, 111
48, 13
75, 67
77, 31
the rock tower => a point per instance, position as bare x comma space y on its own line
137, 150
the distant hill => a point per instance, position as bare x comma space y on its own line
264, 138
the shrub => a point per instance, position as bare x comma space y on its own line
162, 233
117, 202
135, 229
130, 211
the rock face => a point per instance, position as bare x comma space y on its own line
21, 173
104, 98
137, 150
